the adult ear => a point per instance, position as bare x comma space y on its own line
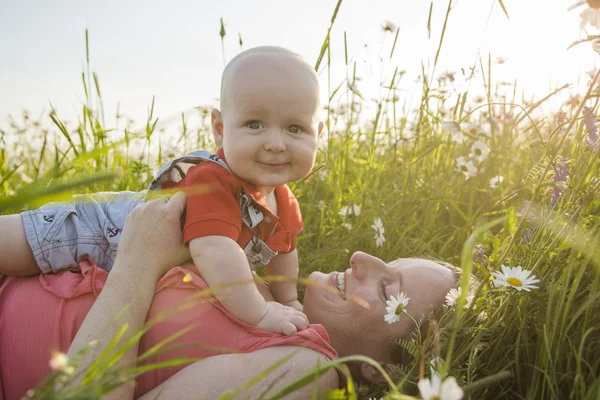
320, 130
369, 372
217, 127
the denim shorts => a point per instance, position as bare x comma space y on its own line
59, 234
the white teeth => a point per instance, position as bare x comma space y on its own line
341, 284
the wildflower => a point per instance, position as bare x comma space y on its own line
479, 150
58, 361
520, 279
495, 181
527, 236
454, 294
388, 26
475, 130
560, 118
466, 167
453, 130
169, 153
591, 16
347, 226
395, 307
561, 172
379, 230
592, 127
435, 389
347, 210
479, 255
527, 210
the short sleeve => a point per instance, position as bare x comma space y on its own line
212, 203
290, 219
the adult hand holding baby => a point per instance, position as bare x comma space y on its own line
152, 236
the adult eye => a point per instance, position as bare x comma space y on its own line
295, 129
254, 125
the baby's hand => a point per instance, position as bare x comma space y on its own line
294, 304
282, 319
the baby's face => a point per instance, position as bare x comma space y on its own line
269, 119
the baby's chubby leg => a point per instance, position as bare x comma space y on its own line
56, 236
16, 257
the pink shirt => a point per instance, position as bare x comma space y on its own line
43, 313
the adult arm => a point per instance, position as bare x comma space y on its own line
212, 376
151, 243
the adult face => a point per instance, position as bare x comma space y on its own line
355, 320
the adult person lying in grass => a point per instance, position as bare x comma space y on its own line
66, 311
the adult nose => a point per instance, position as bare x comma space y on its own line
360, 262
274, 141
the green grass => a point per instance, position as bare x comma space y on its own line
541, 344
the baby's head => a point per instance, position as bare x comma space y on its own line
269, 119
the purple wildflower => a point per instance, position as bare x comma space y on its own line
527, 210
526, 238
592, 127
555, 192
561, 172
480, 257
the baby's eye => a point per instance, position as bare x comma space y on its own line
254, 125
295, 129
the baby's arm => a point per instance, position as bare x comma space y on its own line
285, 265
16, 257
221, 261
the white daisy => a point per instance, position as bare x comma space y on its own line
495, 181
479, 150
454, 294
169, 154
395, 307
475, 130
466, 167
347, 210
58, 360
435, 389
453, 130
517, 278
591, 15
378, 225
379, 239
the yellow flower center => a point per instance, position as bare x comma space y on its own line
477, 152
464, 168
514, 282
399, 309
473, 131
594, 3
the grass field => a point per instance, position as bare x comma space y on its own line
479, 183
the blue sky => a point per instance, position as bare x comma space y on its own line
171, 49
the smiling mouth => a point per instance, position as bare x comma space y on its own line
341, 284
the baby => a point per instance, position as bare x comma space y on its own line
239, 212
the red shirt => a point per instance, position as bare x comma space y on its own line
213, 208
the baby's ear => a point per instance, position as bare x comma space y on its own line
217, 127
